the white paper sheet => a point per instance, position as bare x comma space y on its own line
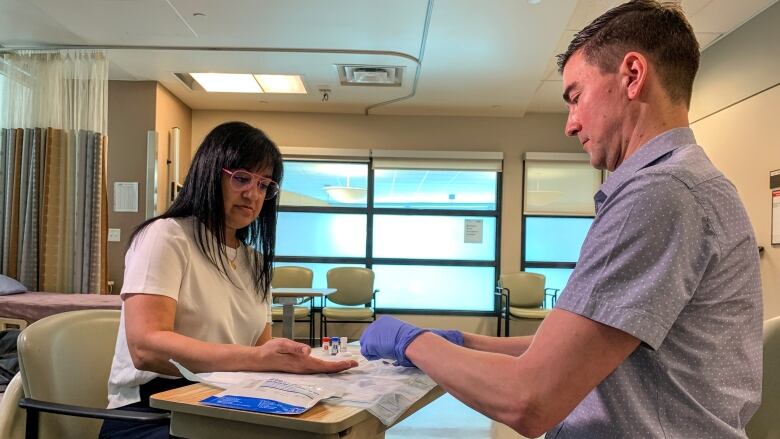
386, 391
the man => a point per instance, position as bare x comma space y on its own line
658, 332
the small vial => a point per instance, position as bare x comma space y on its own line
325, 344
343, 345
334, 345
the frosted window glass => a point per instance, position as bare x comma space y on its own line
324, 184
556, 188
321, 234
433, 189
554, 239
435, 287
432, 237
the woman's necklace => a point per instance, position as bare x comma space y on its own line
232, 261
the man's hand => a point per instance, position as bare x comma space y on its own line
389, 337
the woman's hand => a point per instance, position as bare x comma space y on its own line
284, 355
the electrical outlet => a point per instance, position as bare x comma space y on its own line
114, 235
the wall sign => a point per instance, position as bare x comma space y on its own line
472, 231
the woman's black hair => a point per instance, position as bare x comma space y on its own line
232, 145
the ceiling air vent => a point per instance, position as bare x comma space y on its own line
377, 76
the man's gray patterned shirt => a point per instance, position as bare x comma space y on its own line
672, 260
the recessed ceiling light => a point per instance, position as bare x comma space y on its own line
227, 82
281, 83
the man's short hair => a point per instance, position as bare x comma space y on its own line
659, 31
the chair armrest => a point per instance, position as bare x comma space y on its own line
97, 413
372, 303
502, 297
554, 294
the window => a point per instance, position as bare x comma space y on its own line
558, 210
321, 234
325, 184
428, 232
434, 189
434, 238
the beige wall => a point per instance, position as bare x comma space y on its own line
741, 139
170, 113
743, 63
130, 116
134, 108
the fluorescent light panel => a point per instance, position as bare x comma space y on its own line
227, 82
281, 83
247, 83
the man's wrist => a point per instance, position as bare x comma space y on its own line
400, 353
415, 350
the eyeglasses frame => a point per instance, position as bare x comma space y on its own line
256, 180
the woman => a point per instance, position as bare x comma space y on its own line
195, 290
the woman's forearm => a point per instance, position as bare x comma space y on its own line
155, 349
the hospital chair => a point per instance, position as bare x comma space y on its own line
290, 276
65, 360
521, 297
355, 292
12, 417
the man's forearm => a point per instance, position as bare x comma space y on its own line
514, 346
491, 383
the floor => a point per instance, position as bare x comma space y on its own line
449, 418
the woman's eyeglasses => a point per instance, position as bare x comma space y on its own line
244, 180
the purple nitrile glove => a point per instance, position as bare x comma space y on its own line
451, 335
388, 338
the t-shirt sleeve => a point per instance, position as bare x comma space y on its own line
643, 258
156, 260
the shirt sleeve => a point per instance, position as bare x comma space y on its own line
642, 259
156, 260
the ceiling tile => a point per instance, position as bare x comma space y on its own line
146, 22
548, 98
588, 10
705, 39
693, 7
723, 16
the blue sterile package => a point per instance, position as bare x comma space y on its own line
254, 405
273, 395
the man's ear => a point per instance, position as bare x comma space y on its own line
633, 72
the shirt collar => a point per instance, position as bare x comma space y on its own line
656, 147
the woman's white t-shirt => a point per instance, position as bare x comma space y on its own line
164, 259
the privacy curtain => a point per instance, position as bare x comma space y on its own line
52, 170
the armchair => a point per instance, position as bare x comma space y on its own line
294, 277
522, 296
355, 286
64, 360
